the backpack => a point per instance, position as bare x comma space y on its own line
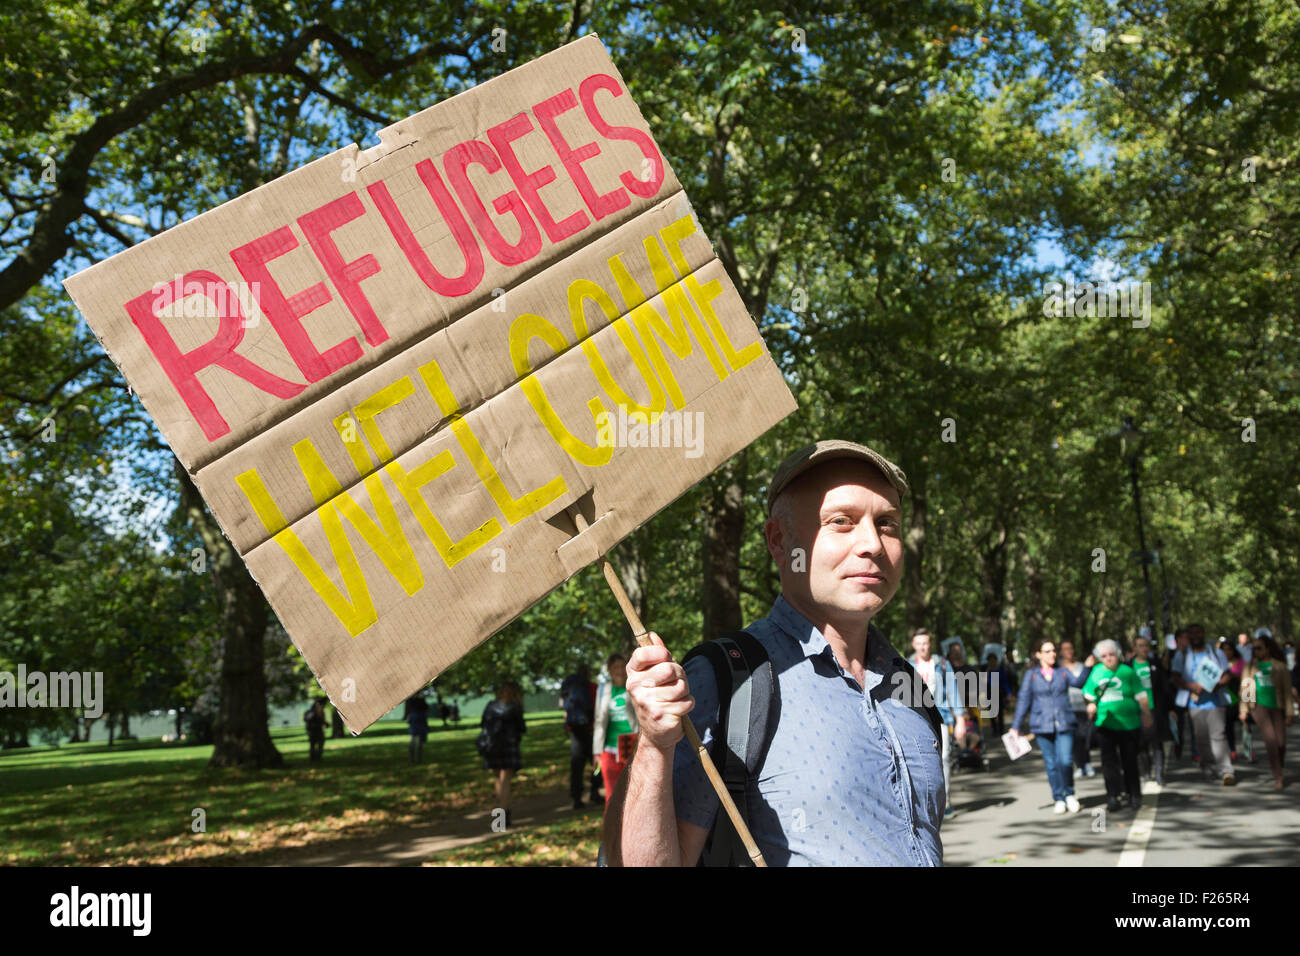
743, 674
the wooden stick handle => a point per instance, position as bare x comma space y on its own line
643, 639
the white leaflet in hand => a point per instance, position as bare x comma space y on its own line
1016, 745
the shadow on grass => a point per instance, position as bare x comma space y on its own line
571, 842
86, 804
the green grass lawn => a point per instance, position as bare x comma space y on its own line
89, 804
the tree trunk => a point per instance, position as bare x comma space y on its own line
724, 530
180, 715
993, 582
1100, 609
240, 735
337, 727
126, 725
1073, 622
1036, 619
940, 580
111, 727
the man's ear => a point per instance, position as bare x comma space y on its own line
777, 545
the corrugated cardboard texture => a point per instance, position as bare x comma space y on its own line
391, 370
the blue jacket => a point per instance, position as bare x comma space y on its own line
1048, 703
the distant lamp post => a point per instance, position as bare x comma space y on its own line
1130, 443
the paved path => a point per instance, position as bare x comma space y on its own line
1005, 819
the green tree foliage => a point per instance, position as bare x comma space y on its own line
889, 187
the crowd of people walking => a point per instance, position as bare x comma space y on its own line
1144, 706
1141, 707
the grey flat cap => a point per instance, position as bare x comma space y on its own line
811, 456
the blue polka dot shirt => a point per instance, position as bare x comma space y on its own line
848, 780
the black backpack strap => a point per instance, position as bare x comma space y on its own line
890, 663
748, 708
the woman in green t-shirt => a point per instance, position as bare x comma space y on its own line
1155, 681
1120, 707
1266, 696
615, 725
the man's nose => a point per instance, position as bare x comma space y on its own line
868, 539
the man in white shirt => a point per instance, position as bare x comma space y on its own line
1205, 705
937, 675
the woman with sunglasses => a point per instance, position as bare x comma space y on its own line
1266, 696
1045, 696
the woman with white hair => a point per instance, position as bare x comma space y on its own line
1121, 707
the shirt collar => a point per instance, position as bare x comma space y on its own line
809, 638
812, 642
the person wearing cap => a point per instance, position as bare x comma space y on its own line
852, 772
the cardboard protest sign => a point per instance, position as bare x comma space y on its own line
392, 371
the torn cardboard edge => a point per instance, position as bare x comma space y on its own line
398, 135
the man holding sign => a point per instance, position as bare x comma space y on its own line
1198, 671
852, 772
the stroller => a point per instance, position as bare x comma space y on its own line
970, 753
